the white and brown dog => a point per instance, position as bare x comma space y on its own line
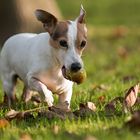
42, 60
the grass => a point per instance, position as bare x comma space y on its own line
111, 59
105, 12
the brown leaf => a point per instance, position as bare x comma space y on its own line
134, 122
119, 32
3, 123
25, 136
55, 129
100, 87
131, 96
85, 109
110, 107
63, 106
91, 106
122, 52
11, 114
101, 99
90, 138
63, 114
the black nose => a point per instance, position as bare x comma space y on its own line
75, 67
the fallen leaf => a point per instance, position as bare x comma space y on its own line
101, 99
85, 109
3, 123
63, 106
50, 115
138, 100
11, 114
134, 122
90, 138
131, 96
100, 87
91, 106
25, 136
55, 129
129, 78
110, 107
119, 32
63, 113
122, 52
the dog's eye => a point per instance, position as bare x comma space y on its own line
83, 44
63, 43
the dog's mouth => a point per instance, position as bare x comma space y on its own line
64, 72
77, 77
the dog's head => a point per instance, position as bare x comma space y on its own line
68, 38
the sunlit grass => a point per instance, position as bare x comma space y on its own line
105, 65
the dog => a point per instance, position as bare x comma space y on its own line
43, 61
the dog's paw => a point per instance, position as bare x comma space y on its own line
49, 100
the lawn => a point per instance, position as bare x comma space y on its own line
113, 65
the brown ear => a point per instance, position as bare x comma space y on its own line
49, 21
81, 18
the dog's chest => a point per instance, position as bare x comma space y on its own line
53, 80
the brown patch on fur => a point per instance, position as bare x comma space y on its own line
60, 30
60, 33
81, 36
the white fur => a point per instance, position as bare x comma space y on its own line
31, 57
72, 36
38, 64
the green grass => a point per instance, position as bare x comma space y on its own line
104, 12
109, 60
105, 66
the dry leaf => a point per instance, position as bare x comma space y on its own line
110, 107
119, 32
3, 123
131, 96
63, 106
55, 129
25, 136
91, 106
11, 114
85, 109
134, 123
101, 99
90, 138
100, 87
122, 52
63, 114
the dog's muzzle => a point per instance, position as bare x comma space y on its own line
76, 75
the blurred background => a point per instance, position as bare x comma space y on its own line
113, 32
18, 15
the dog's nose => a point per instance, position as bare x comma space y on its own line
75, 67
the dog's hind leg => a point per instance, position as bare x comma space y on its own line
9, 82
26, 94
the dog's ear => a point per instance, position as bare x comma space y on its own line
49, 21
81, 18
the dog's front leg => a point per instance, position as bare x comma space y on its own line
65, 98
35, 84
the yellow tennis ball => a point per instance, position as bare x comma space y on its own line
77, 77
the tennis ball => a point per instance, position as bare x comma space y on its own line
77, 77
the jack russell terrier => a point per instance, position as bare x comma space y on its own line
47, 62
